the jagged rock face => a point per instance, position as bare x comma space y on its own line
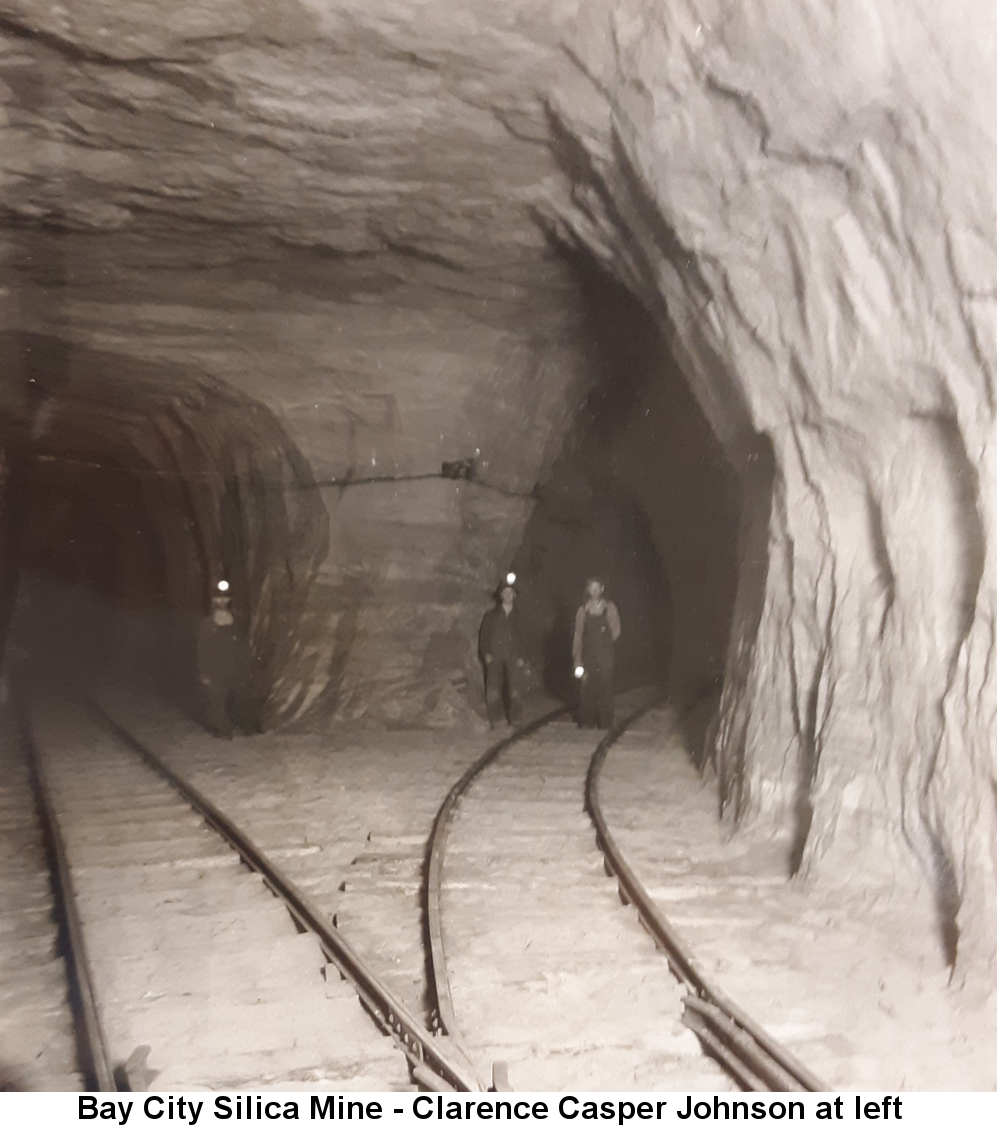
806, 193
344, 126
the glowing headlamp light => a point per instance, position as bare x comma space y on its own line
579, 671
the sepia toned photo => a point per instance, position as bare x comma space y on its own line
498, 557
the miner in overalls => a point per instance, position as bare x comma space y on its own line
597, 629
225, 668
500, 648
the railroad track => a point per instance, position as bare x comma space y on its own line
521, 917
37, 1022
190, 973
546, 771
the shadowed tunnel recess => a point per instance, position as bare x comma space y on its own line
130, 490
642, 496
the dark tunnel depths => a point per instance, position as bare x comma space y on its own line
95, 591
130, 490
142, 485
642, 495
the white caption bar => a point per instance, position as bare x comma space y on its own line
567, 1112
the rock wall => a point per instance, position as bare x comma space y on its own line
806, 195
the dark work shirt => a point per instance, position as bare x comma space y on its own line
499, 636
222, 654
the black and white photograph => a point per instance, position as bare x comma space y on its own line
498, 558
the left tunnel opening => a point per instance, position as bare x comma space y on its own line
93, 573
131, 491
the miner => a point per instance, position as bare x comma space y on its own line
225, 667
597, 629
500, 648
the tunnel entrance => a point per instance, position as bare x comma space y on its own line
130, 491
93, 579
643, 496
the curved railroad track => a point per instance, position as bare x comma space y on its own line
548, 769
474, 894
142, 861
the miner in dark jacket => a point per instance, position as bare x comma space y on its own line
225, 667
500, 648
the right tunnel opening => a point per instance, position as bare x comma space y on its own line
643, 496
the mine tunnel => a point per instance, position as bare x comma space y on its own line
130, 493
133, 491
642, 496
317, 321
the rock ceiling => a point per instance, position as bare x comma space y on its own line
358, 129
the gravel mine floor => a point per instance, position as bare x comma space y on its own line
853, 983
37, 1046
192, 956
549, 971
346, 816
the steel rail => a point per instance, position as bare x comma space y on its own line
742, 1046
432, 1063
91, 1042
436, 953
